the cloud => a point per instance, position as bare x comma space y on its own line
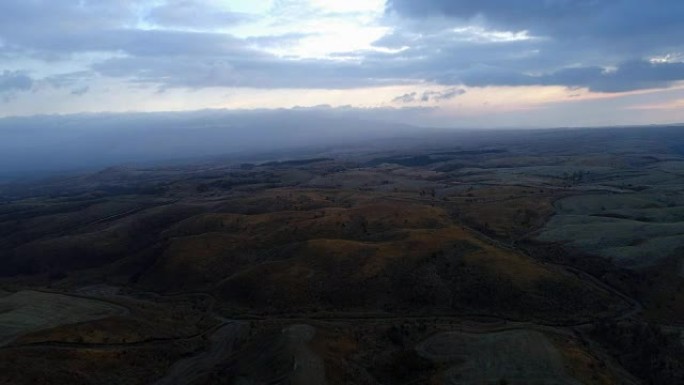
15, 81
637, 25
442, 95
254, 71
406, 98
29, 25
615, 19
194, 14
626, 76
136, 42
80, 91
277, 41
186, 52
59, 27
605, 46
428, 96
571, 43
69, 79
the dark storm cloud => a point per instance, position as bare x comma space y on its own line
628, 76
617, 19
577, 41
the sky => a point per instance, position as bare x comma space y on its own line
447, 63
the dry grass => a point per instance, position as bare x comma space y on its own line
507, 212
30, 311
516, 357
369, 263
87, 366
584, 366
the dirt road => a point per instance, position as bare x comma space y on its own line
221, 345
